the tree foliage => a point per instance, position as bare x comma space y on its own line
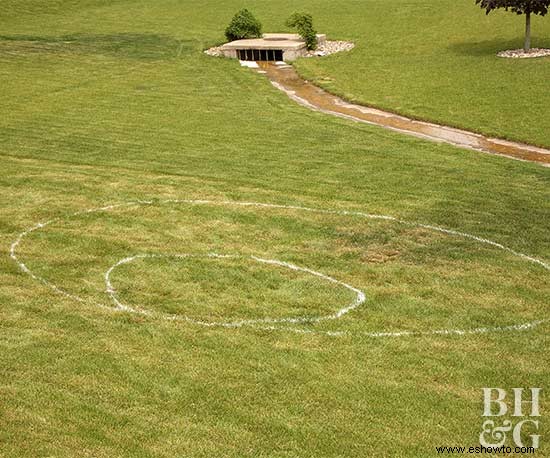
526, 7
303, 23
516, 6
243, 25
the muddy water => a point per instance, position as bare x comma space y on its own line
285, 78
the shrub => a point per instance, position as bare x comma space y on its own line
243, 25
303, 23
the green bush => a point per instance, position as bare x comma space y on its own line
303, 23
243, 25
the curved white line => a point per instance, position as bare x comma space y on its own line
111, 291
119, 306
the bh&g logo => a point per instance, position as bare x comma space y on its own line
494, 433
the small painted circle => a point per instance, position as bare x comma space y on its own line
111, 291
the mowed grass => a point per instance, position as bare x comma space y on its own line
112, 102
438, 61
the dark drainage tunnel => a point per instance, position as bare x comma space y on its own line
260, 54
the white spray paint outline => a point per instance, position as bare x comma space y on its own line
112, 293
122, 307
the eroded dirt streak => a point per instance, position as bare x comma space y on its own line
285, 78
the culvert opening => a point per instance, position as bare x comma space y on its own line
260, 54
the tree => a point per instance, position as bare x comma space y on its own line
303, 23
243, 25
527, 7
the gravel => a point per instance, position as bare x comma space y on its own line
521, 54
216, 51
331, 47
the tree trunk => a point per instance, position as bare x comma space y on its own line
527, 44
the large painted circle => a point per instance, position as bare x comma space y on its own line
274, 324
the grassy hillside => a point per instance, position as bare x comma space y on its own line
112, 102
434, 61
437, 61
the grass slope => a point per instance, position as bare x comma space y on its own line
437, 61
114, 101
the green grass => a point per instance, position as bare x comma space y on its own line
108, 102
438, 61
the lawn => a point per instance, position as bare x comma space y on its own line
113, 102
437, 61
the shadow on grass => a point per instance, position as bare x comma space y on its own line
127, 45
492, 47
